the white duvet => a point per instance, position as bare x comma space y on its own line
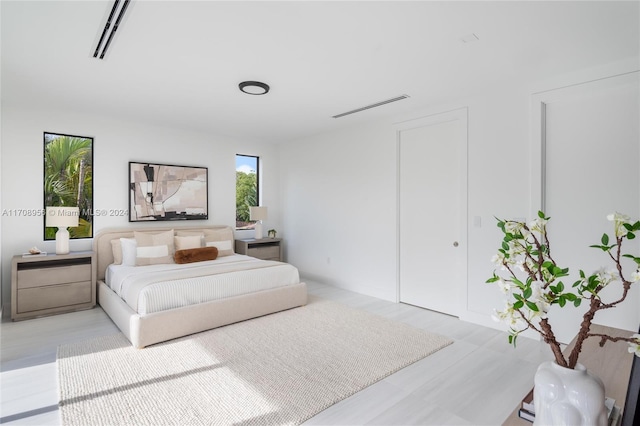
154, 288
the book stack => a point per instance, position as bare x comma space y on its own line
527, 410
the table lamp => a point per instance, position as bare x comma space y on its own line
62, 218
258, 213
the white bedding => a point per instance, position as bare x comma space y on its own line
154, 288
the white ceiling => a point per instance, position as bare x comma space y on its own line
178, 63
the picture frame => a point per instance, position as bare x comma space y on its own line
166, 192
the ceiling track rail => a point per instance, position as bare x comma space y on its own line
377, 104
108, 27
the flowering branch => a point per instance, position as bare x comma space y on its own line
532, 292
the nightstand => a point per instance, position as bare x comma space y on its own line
264, 248
52, 284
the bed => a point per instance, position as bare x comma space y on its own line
229, 289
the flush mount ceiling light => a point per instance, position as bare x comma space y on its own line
254, 88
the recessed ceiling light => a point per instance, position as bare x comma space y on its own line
254, 88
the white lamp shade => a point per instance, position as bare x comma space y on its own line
62, 217
258, 213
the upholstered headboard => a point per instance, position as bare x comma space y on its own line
102, 241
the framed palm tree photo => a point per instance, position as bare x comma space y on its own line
68, 180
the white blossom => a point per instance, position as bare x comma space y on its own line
538, 225
498, 259
538, 297
605, 276
634, 347
504, 286
619, 220
635, 277
513, 227
515, 249
509, 316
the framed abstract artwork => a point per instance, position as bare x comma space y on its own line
159, 192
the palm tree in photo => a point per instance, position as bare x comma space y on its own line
68, 178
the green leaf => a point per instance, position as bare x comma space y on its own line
540, 214
560, 287
518, 305
562, 301
605, 239
630, 235
570, 297
532, 306
517, 282
527, 293
492, 280
577, 302
505, 246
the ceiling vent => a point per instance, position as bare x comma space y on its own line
377, 104
108, 27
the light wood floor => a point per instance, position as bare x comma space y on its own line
477, 380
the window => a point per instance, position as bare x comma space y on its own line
247, 193
68, 180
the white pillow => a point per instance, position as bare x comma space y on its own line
225, 248
188, 242
156, 248
116, 249
129, 251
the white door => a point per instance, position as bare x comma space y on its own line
432, 211
590, 140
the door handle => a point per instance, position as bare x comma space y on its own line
455, 244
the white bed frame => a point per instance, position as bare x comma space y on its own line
145, 330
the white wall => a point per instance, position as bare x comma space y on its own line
340, 193
116, 142
340, 198
339, 211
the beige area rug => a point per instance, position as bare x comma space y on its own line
279, 369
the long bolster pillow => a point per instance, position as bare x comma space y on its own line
196, 254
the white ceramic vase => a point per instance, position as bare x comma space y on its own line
564, 397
